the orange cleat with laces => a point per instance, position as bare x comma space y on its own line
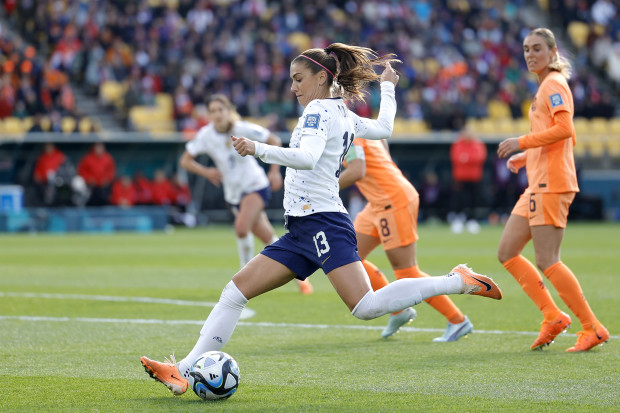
166, 373
476, 284
550, 330
590, 338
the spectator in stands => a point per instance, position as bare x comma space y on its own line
162, 189
44, 173
142, 186
98, 169
123, 192
467, 154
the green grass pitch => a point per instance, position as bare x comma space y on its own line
72, 330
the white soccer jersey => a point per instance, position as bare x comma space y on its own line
240, 175
317, 148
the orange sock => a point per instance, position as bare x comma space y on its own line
441, 303
532, 283
377, 278
571, 293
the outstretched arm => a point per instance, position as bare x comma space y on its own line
305, 157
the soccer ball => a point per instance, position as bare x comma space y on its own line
214, 375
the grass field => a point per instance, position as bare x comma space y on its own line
72, 330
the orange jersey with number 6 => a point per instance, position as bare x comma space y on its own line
551, 167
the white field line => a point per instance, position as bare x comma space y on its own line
246, 313
249, 313
249, 324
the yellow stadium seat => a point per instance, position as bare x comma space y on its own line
85, 125
613, 146
498, 109
525, 108
28, 122
579, 149
522, 126
599, 125
46, 123
68, 124
596, 147
13, 126
578, 33
614, 126
164, 101
582, 126
111, 92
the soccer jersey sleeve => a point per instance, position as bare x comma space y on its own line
382, 127
198, 145
311, 145
251, 131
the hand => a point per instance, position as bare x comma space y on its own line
214, 176
507, 147
275, 179
516, 162
244, 146
389, 74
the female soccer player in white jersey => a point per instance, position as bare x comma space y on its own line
247, 189
321, 234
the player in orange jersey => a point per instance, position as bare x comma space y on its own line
390, 219
542, 210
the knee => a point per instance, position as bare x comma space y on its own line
366, 308
504, 255
241, 230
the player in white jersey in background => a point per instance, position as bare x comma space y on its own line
321, 234
247, 189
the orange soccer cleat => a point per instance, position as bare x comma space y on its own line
590, 338
477, 284
305, 287
166, 373
550, 330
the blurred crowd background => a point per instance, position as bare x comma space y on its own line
460, 58
149, 65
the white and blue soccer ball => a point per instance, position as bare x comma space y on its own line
214, 375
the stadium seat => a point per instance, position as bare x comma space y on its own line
582, 126
614, 127
85, 125
525, 108
596, 146
68, 124
613, 146
498, 109
111, 93
12, 126
580, 149
578, 33
599, 125
164, 101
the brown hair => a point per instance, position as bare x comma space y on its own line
353, 67
559, 63
223, 99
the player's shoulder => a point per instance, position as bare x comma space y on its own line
205, 131
554, 81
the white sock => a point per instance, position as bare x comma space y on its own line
404, 293
245, 248
219, 326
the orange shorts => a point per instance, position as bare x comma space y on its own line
395, 227
544, 208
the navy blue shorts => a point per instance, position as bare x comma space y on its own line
264, 193
323, 240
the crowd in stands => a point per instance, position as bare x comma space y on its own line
457, 55
95, 182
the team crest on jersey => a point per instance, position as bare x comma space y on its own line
312, 121
556, 100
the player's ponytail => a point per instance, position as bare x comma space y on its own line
349, 68
559, 63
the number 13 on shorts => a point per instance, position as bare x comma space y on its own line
321, 244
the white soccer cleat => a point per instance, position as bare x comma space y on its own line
455, 331
399, 320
